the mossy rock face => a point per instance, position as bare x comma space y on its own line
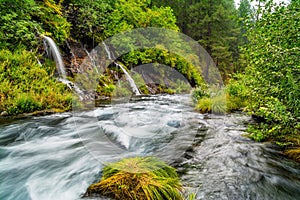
138, 178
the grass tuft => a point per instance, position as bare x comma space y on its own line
138, 178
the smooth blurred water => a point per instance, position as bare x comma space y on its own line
59, 156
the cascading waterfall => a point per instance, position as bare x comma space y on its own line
129, 79
73, 56
91, 59
127, 75
108, 51
73, 87
53, 52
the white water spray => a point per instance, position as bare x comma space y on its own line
92, 60
127, 75
53, 51
129, 79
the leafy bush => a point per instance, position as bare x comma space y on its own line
199, 93
21, 20
270, 85
163, 57
25, 86
237, 94
138, 178
215, 104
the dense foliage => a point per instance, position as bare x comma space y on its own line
97, 20
214, 25
22, 21
273, 72
25, 86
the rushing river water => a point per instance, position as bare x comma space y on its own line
59, 156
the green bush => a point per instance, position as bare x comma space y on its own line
25, 86
215, 104
199, 93
237, 94
138, 178
21, 20
272, 74
270, 85
164, 57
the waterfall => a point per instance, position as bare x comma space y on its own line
129, 79
91, 59
107, 51
127, 75
73, 87
53, 52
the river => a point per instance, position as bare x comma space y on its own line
60, 155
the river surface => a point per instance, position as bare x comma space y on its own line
59, 156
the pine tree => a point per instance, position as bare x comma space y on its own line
213, 24
245, 14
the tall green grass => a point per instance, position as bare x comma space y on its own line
138, 178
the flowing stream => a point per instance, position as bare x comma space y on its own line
59, 156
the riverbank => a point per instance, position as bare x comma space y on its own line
4, 117
58, 156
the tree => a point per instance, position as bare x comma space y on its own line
245, 14
213, 24
89, 19
273, 73
22, 20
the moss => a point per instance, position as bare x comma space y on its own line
138, 178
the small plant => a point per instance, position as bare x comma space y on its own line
237, 95
211, 100
199, 93
216, 104
138, 178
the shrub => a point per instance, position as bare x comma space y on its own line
237, 94
215, 104
198, 93
25, 86
138, 178
21, 20
272, 74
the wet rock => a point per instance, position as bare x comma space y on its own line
174, 123
4, 113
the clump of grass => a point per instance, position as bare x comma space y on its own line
216, 104
138, 178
